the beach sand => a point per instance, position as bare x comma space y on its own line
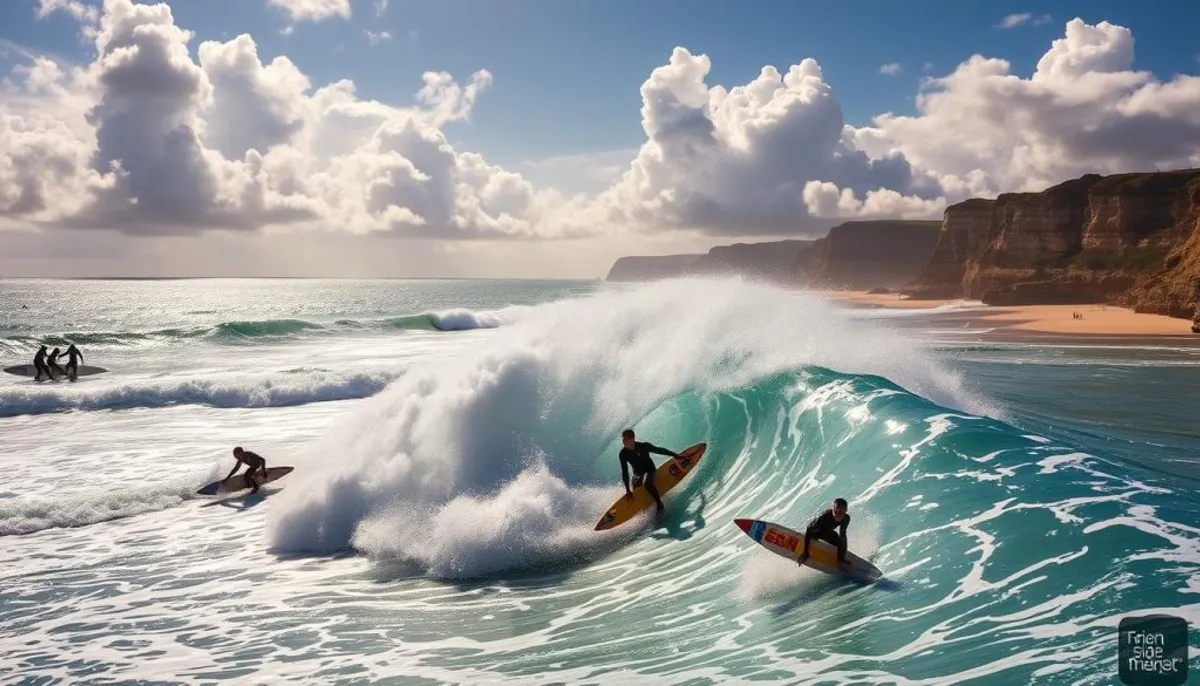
1096, 320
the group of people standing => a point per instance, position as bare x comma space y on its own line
47, 363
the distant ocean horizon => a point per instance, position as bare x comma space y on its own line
455, 441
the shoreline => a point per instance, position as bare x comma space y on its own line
1029, 321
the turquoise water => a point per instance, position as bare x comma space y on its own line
455, 443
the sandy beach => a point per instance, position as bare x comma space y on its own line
1093, 320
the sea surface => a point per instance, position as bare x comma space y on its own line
455, 442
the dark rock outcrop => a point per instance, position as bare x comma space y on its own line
862, 255
649, 268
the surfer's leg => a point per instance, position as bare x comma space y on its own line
654, 492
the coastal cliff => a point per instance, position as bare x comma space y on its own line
1127, 239
863, 255
854, 255
770, 261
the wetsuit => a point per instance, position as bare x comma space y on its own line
826, 528
74, 357
638, 458
52, 361
254, 463
39, 363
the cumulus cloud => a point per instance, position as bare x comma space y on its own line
147, 140
159, 136
1083, 110
740, 160
891, 68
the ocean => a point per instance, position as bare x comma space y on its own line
455, 442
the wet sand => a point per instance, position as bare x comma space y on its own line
1056, 320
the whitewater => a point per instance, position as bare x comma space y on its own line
455, 442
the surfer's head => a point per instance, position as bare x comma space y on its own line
237, 452
627, 438
839, 508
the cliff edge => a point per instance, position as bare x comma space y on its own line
1128, 239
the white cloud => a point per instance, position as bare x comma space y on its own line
1083, 110
75, 8
313, 10
380, 7
151, 138
376, 38
891, 68
1015, 20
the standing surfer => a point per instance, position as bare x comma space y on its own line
829, 526
636, 455
39, 363
74, 357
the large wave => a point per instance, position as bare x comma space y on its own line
522, 430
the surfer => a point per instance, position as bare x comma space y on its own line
636, 455
254, 463
52, 362
74, 357
826, 527
39, 363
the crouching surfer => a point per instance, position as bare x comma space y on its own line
636, 455
254, 464
829, 526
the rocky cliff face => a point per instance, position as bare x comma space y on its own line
1128, 239
769, 261
863, 255
649, 268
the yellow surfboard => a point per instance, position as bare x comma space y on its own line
666, 477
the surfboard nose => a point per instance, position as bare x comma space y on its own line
744, 524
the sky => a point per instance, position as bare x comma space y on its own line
541, 138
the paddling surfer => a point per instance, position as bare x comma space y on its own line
829, 526
636, 455
254, 463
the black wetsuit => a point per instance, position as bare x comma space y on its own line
638, 458
826, 528
73, 359
254, 463
39, 362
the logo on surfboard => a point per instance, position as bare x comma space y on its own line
756, 530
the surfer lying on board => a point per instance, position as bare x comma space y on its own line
254, 463
826, 527
636, 455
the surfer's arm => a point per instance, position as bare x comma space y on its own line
661, 451
235, 468
625, 474
844, 544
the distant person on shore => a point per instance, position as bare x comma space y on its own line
636, 455
52, 361
39, 363
254, 463
829, 526
74, 357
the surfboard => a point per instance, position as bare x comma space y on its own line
238, 482
30, 370
823, 556
666, 477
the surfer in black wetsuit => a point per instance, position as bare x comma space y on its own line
829, 526
74, 357
636, 455
52, 361
254, 463
39, 363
